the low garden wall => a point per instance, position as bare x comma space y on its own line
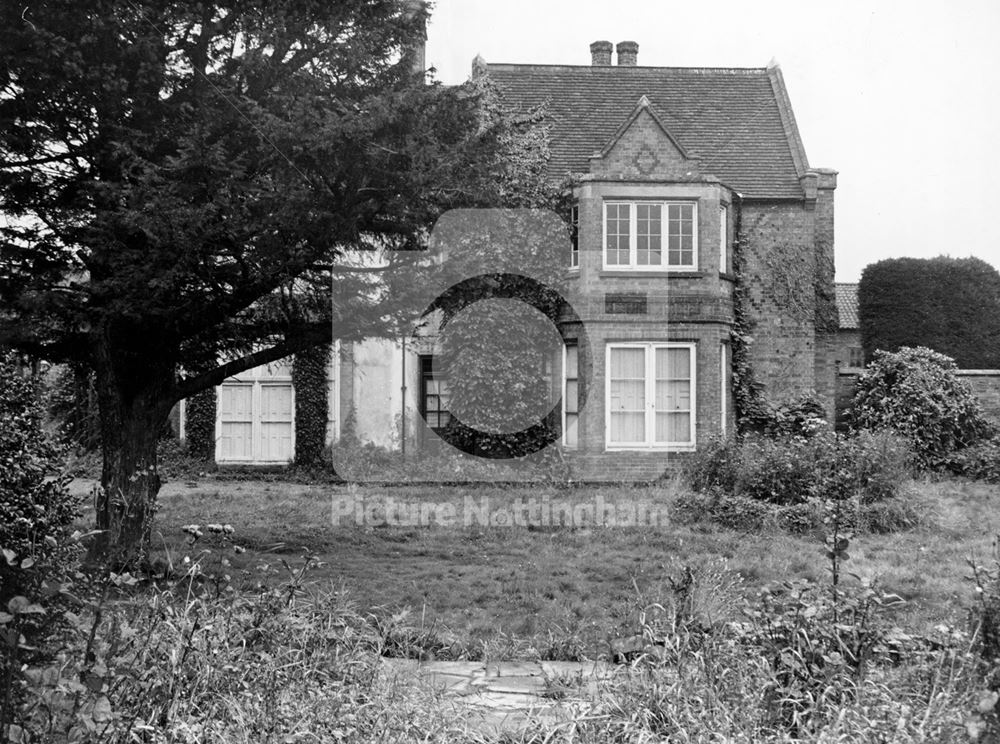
985, 383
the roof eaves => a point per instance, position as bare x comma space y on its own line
788, 119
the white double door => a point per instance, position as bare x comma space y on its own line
255, 421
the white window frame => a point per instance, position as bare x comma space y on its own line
650, 382
574, 226
565, 396
723, 239
724, 393
633, 264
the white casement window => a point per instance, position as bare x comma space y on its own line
650, 395
650, 235
725, 377
574, 237
571, 394
723, 240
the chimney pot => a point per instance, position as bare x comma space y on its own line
628, 53
600, 53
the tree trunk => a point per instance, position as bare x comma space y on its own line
134, 407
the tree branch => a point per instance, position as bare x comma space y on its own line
303, 339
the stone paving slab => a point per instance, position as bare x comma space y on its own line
506, 695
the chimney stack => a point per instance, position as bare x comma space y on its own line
416, 10
600, 53
628, 53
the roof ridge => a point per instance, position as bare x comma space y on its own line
604, 69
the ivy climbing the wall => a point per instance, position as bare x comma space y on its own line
309, 375
749, 403
199, 425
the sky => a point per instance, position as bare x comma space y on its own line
902, 98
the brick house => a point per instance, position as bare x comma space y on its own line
849, 353
664, 165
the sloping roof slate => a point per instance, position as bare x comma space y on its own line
731, 118
847, 306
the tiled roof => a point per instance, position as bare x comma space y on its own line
737, 121
847, 305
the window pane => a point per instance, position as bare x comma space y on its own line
628, 364
572, 355
673, 395
673, 427
648, 232
574, 256
627, 398
618, 229
628, 427
571, 429
673, 364
680, 235
572, 400
723, 239
628, 395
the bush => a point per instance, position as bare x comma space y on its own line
980, 461
916, 393
792, 470
36, 512
35, 507
803, 416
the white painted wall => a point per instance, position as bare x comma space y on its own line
379, 394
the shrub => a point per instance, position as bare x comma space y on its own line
35, 507
980, 461
792, 470
804, 416
916, 393
36, 512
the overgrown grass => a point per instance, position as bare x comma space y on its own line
256, 646
566, 587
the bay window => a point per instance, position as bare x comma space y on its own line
650, 235
650, 395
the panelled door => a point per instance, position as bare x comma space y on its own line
255, 422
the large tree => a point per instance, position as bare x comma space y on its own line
180, 180
950, 305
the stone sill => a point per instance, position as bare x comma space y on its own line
653, 450
652, 274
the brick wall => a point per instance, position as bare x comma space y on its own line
779, 270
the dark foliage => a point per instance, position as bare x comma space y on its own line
199, 425
309, 374
182, 176
72, 404
36, 514
950, 305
